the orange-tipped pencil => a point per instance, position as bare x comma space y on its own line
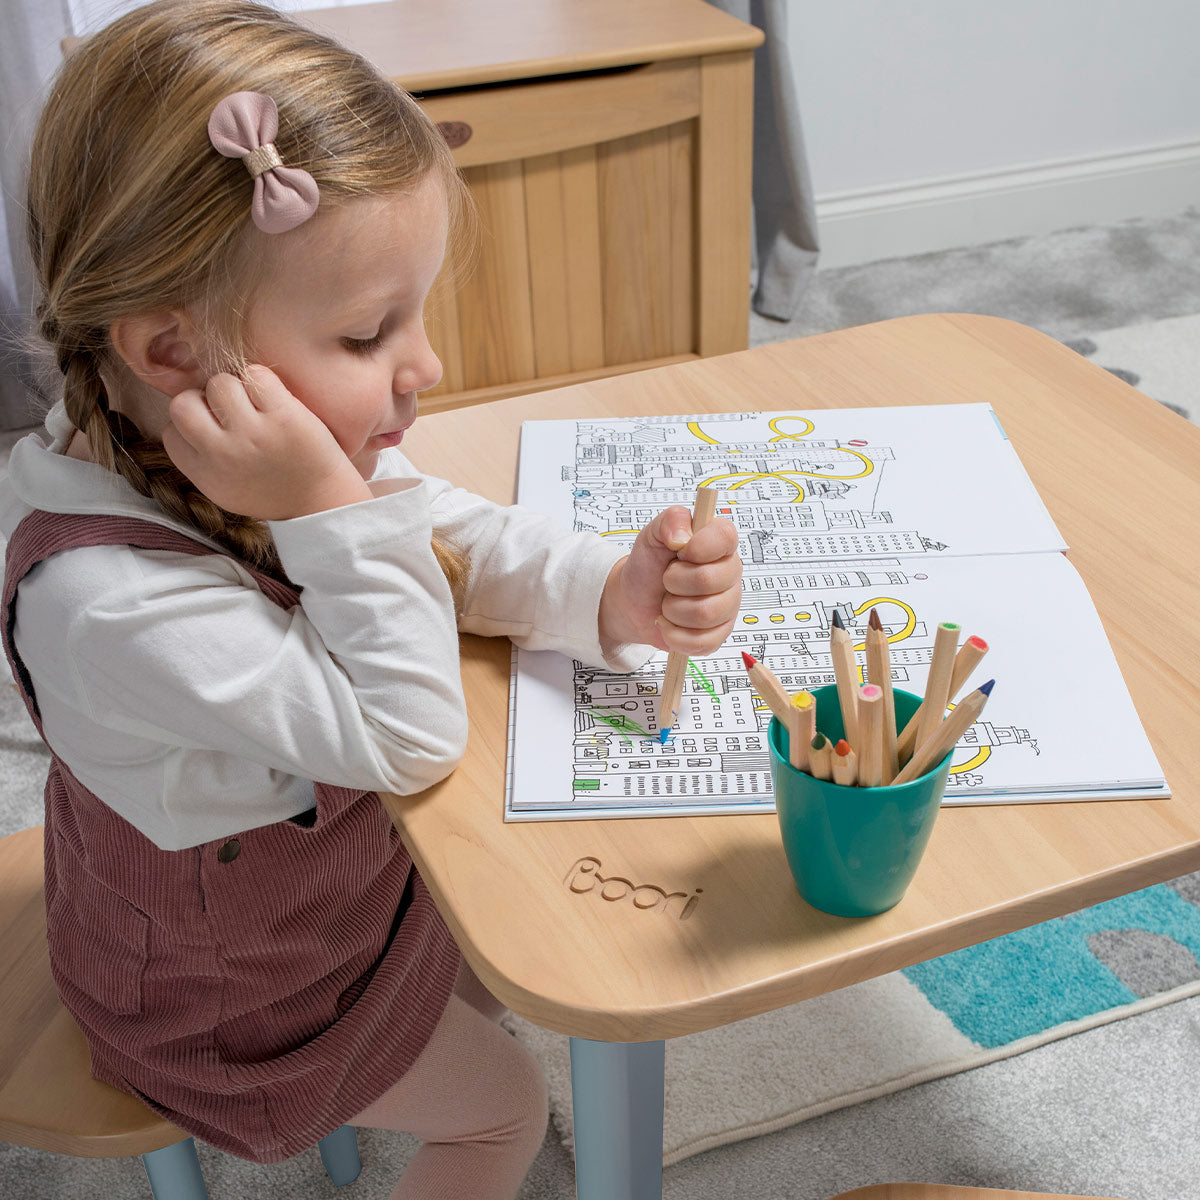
946, 736
671, 695
965, 661
845, 764
845, 672
879, 672
870, 735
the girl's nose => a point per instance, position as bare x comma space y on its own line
422, 369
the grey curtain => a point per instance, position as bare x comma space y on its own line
785, 245
30, 35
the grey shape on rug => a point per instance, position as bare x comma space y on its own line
1147, 963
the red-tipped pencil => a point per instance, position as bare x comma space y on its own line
780, 702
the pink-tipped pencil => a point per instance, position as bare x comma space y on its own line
870, 735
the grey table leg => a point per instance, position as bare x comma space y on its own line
617, 1097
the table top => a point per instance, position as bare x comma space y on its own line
431, 45
1119, 473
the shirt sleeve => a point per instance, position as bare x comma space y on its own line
220, 699
532, 579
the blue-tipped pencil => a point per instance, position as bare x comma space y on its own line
946, 736
671, 695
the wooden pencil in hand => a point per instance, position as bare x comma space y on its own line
671, 695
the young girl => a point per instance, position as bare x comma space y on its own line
225, 582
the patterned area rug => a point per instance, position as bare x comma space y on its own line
953, 1013
1160, 358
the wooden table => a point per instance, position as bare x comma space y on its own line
606, 144
1121, 476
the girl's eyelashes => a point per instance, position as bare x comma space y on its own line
363, 345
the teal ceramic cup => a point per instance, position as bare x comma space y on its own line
852, 851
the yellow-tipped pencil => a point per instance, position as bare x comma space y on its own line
671, 695
804, 714
879, 672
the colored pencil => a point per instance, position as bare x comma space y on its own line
845, 764
946, 737
937, 687
804, 729
820, 755
870, 735
845, 672
965, 661
879, 672
671, 695
767, 684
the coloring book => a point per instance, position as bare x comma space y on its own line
923, 513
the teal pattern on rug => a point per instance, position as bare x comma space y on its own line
1034, 979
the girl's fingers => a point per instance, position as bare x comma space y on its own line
718, 539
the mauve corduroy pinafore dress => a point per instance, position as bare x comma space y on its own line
256, 991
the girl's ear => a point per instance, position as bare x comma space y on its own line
161, 350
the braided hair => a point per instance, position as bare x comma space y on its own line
131, 211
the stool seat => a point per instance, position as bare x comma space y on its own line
48, 1098
945, 1191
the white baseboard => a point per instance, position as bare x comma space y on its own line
897, 220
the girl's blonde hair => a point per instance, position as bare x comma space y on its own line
132, 211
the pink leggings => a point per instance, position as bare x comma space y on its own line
476, 1099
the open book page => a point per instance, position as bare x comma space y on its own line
1060, 725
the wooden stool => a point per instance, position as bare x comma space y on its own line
944, 1191
48, 1098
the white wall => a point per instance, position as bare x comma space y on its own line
933, 123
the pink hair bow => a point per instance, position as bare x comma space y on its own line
244, 125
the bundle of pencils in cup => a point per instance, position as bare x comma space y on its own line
873, 753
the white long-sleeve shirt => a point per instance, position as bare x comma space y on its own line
197, 708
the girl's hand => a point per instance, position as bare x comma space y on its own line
675, 590
252, 447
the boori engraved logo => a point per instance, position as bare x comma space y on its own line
584, 878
